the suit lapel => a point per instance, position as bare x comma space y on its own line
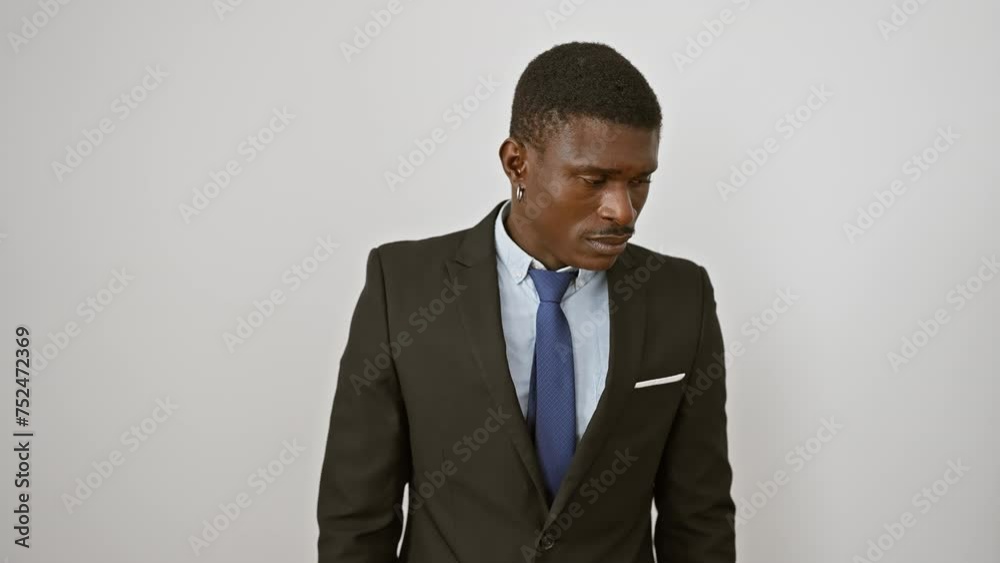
475, 266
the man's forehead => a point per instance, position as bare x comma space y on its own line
587, 128
594, 142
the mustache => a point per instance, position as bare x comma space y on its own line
614, 232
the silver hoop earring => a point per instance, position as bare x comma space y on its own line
520, 192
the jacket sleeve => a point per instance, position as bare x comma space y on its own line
367, 458
695, 509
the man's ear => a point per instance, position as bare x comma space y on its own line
514, 159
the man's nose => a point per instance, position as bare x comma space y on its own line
617, 206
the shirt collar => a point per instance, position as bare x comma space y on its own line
517, 262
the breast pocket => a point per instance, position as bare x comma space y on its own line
650, 410
654, 381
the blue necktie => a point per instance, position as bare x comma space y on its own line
552, 379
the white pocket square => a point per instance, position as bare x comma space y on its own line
659, 380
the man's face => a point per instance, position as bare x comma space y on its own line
584, 192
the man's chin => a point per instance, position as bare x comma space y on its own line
596, 262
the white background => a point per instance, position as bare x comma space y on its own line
63, 237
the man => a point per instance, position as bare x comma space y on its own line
532, 378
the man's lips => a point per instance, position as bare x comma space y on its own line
611, 239
609, 245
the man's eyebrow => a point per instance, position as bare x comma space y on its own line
609, 171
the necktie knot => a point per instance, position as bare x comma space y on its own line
551, 286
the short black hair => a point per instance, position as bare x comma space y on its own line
580, 80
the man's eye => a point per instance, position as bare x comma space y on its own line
594, 181
642, 181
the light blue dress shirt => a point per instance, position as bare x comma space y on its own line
586, 307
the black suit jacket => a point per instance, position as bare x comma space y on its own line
424, 397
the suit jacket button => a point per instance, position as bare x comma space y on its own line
547, 541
